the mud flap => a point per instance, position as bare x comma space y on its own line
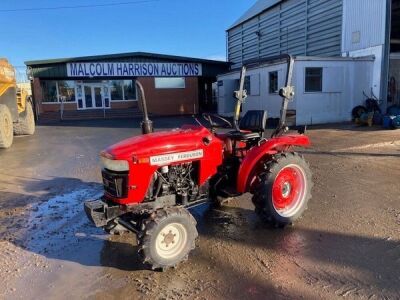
100, 213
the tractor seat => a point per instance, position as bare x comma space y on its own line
252, 126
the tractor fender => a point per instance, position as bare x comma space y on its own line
270, 147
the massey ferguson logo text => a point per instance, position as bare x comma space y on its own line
175, 157
131, 69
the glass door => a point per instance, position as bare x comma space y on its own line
94, 96
88, 96
98, 96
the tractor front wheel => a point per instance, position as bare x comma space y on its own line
284, 189
167, 237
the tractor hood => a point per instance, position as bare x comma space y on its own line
183, 139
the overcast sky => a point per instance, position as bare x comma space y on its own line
179, 27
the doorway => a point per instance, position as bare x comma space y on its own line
93, 96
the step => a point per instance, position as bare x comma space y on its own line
91, 114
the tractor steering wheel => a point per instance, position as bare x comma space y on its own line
210, 118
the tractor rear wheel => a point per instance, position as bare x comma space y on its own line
26, 121
284, 189
167, 237
6, 127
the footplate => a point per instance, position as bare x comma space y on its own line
100, 213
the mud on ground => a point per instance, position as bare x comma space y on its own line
347, 245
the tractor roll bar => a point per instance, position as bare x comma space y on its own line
286, 92
258, 61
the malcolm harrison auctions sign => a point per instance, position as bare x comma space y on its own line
132, 69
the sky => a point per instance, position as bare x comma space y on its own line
177, 27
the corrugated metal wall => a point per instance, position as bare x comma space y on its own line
297, 27
364, 24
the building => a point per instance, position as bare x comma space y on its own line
333, 41
325, 88
104, 85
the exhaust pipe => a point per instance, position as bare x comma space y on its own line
146, 124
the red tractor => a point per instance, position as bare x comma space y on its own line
152, 180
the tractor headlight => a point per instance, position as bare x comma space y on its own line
114, 165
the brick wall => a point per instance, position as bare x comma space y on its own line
171, 101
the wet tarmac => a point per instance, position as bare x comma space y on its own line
347, 245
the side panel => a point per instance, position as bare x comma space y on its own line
270, 147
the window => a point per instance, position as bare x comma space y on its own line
247, 85
49, 90
169, 82
273, 82
313, 80
122, 90
66, 90
129, 90
116, 90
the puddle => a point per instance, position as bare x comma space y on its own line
59, 226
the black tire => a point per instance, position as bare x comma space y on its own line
26, 121
6, 127
396, 122
151, 246
263, 199
358, 111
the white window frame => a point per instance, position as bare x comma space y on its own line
322, 80
58, 96
75, 85
277, 82
123, 92
58, 93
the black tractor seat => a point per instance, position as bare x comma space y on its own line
252, 126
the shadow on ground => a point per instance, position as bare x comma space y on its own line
60, 230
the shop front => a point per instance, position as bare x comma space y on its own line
103, 84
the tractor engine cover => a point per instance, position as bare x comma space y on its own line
148, 154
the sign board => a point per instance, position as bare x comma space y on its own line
175, 157
133, 69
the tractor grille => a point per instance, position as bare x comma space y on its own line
115, 183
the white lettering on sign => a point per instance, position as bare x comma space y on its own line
131, 69
175, 157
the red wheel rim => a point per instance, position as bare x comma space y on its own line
288, 190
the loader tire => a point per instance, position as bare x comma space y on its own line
167, 237
284, 190
6, 127
26, 122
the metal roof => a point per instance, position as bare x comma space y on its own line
257, 8
130, 55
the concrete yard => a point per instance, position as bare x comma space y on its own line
347, 245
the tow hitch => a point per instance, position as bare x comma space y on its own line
100, 213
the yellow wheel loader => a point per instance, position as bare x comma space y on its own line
16, 112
